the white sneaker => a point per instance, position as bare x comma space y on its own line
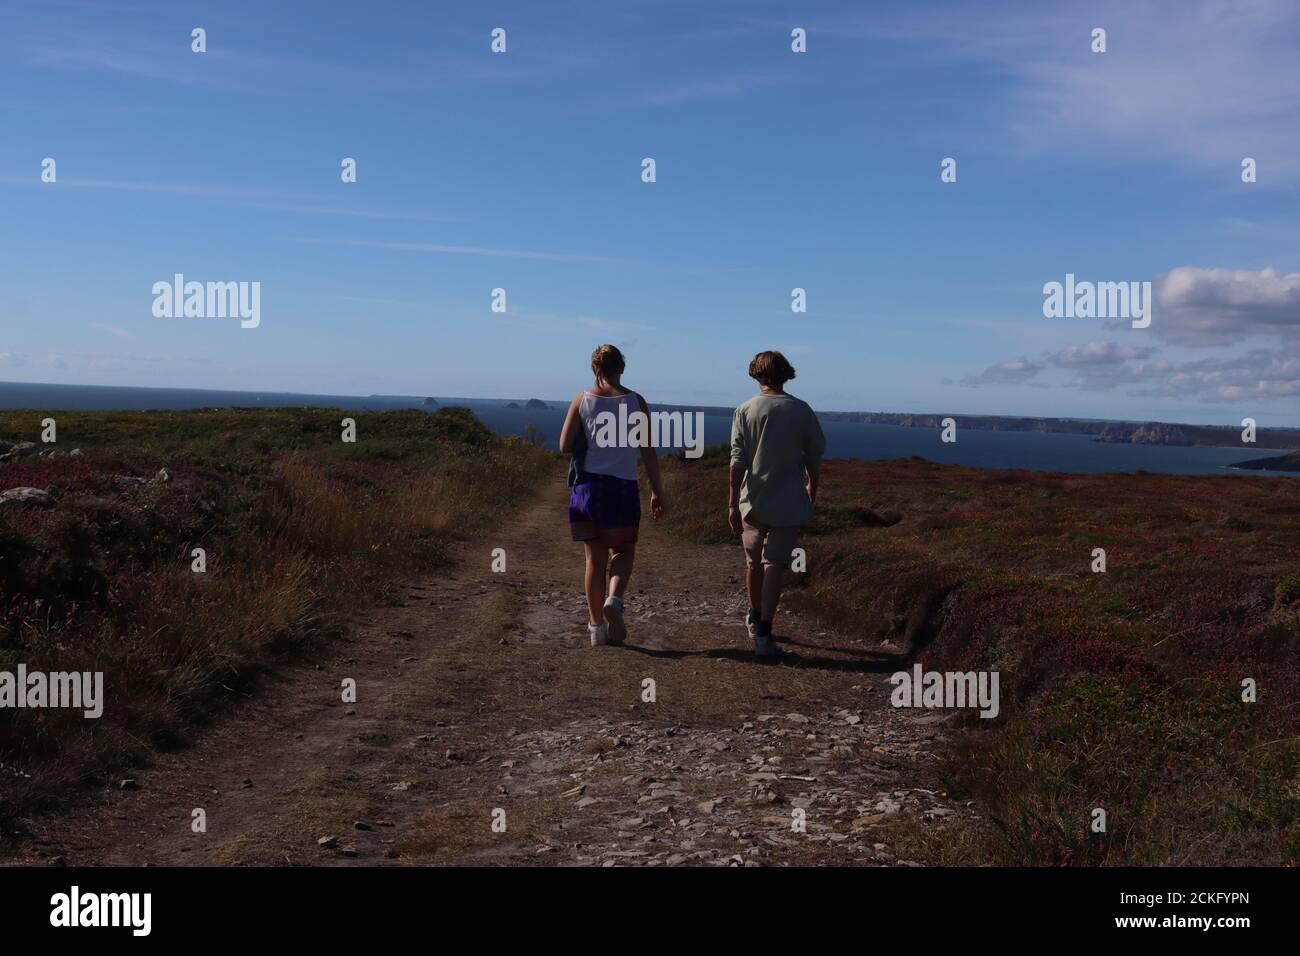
599, 633
614, 619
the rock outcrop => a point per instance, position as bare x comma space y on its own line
15, 452
1153, 433
26, 497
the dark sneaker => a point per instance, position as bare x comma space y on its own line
614, 618
751, 623
764, 646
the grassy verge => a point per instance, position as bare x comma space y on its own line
1121, 691
300, 530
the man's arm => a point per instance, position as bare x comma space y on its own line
814, 446
737, 472
814, 474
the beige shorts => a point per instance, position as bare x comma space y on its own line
765, 545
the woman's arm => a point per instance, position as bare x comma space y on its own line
650, 457
572, 422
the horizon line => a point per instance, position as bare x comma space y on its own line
564, 402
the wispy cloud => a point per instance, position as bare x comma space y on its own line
122, 186
544, 318
370, 300
446, 249
358, 213
611, 325
1017, 371
129, 53
231, 65
112, 59
93, 360
1191, 82
249, 196
710, 88
1099, 353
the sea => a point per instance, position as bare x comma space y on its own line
1032, 451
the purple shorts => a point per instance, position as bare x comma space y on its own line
600, 503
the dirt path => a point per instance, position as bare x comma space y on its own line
479, 693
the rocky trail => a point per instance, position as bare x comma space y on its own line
486, 730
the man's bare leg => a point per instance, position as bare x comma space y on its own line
773, 579
754, 585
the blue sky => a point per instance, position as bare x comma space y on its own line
775, 170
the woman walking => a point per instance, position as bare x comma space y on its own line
605, 504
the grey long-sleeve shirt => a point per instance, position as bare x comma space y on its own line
774, 438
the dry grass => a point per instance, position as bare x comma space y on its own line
1120, 691
300, 531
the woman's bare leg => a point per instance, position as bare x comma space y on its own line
594, 581
620, 568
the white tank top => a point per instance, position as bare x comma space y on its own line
618, 459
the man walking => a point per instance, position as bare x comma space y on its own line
776, 453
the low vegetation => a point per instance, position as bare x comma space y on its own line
1121, 691
299, 529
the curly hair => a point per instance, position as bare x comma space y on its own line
771, 369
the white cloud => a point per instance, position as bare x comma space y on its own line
1260, 375
1017, 371
1203, 307
1099, 353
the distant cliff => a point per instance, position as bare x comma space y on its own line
1153, 433
1142, 433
